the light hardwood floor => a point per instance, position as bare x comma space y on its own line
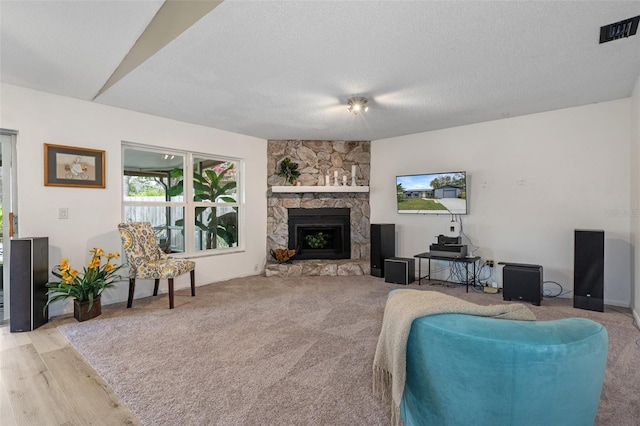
44, 381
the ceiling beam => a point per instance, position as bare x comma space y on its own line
171, 20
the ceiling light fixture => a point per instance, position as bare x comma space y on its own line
357, 104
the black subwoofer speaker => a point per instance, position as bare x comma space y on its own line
522, 282
588, 270
383, 246
400, 270
28, 284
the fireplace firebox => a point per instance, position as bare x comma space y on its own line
320, 233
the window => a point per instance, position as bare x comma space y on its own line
190, 199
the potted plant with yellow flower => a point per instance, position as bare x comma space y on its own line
84, 287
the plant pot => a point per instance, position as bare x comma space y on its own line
81, 310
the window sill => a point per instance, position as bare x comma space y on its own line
207, 253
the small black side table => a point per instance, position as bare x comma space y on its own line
465, 260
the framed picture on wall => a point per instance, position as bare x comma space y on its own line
73, 166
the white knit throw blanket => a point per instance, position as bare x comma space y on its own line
403, 306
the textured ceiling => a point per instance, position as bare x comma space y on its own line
284, 69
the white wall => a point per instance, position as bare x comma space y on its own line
531, 181
94, 214
635, 199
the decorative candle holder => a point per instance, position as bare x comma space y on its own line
353, 181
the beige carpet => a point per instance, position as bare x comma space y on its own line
296, 351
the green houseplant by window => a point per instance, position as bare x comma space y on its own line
211, 186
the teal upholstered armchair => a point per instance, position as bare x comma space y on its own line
469, 370
147, 261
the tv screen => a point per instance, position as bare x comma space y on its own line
433, 193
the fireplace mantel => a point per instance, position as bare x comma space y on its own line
319, 188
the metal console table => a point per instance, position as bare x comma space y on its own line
465, 260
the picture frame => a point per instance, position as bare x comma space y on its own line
73, 166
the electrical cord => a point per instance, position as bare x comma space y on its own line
453, 272
460, 273
561, 292
436, 271
478, 289
547, 292
474, 247
478, 277
633, 321
477, 280
454, 277
621, 312
444, 268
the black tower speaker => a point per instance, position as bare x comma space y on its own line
588, 270
383, 246
29, 276
522, 282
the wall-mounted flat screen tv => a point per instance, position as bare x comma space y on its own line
432, 193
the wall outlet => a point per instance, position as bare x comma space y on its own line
489, 263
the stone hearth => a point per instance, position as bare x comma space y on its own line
305, 268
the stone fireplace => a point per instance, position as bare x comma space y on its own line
315, 160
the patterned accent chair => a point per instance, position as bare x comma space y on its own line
147, 261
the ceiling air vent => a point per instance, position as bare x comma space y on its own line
621, 29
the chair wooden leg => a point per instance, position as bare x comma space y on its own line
193, 283
132, 288
155, 287
170, 293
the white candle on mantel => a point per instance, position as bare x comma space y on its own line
335, 174
353, 171
344, 180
